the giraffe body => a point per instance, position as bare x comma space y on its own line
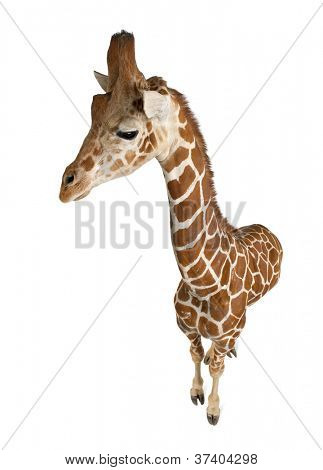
223, 269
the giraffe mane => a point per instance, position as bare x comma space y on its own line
223, 222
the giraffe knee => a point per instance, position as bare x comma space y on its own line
196, 349
197, 353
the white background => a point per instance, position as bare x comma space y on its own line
126, 387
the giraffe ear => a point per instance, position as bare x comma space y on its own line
102, 80
155, 104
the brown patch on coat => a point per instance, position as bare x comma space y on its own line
212, 329
206, 280
130, 155
196, 302
183, 293
218, 263
186, 133
178, 188
212, 227
205, 307
176, 159
236, 283
257, 285
117, 165
187, 235
220, 303
197, 160
225, 245
226, 271
197, 269
186, 257
241, 266
187, 208
88, 163
238, 304
181, 116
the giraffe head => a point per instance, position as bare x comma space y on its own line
130, 123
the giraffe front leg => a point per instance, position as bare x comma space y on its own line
216, 369
186, 317
197, 354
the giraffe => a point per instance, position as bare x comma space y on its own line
223, 269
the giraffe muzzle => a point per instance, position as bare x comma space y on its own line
76, 184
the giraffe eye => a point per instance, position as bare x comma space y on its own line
129, 135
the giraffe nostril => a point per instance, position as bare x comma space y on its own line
69, 178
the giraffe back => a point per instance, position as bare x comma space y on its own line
264, 253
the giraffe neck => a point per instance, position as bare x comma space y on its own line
197, 224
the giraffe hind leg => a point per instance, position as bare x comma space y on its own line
209, 354
232, 352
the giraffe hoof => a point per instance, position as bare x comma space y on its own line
232, 352
212, 419
194, 400
199, 397
207, 359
